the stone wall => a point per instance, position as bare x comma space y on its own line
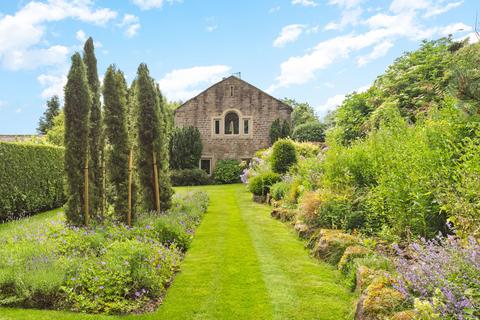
250, 103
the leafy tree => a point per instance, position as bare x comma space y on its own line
117, 151
56, 133
302, 112
285, 132
284, 156
46, 121
148, 126
310, 131
275, 131
185, 148
77, 107
96, 136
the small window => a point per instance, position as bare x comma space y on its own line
245, 126
217, 126
205, 165
231, 91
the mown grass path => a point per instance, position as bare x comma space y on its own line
242, 265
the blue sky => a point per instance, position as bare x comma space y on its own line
311, 50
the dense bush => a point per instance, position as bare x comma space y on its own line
31, 178
108, 269
260, 184
283, 156
190, 177
227, 171
311, 131
279, 190
185, 148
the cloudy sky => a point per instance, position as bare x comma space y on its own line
310, 50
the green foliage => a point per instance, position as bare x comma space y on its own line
185, 148
279, 190
190, 177
227, 171
260, 184
302, 113
169, 231
76, 109
32, 179
56, 133
117, 151
283, 156
312, 131
150, 138
279, 130
95, 135
46, 122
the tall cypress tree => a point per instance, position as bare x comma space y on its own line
96, 136
117, 151
76, 109
148, 131
46, 121
166, 190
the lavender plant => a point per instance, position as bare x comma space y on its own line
445, 272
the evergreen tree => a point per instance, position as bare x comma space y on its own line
166, 190
46, 121
77, 106
185, 148
275, 131
148, 126
285, 132
117, 151
96, 136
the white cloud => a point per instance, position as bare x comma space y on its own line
131, 24
441, 8
345, 3
349, 17
80, 35
18, 110
274, 9
183, 84
305, 3
211, 24
152, 4
53, 84
331, 104
22, 32
380, 50
289, 34
453, 28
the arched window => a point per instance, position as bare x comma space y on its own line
232, 123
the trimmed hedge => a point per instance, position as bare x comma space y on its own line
190, 177
31, 179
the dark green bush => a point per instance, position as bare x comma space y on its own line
227, 171
185, 148
190, 177
312, 131
169, 230
260, 184
283, 156
31, 179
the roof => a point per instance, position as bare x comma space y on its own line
238, 79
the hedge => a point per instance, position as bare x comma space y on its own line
190, 177
31, 179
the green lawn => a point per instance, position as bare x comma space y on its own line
242, 265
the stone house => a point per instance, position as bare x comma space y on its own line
234, 120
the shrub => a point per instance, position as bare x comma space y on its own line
309, 205
279, 190
260, 184
329, 245
31, 179
381, 300
190, 177
312, 131
283, 156
185, 148
169, 230
227, 171
349, 255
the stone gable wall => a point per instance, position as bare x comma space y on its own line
253, 104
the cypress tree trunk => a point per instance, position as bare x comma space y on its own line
76, 109
118, 149
96, 135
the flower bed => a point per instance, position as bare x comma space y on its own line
109, 269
